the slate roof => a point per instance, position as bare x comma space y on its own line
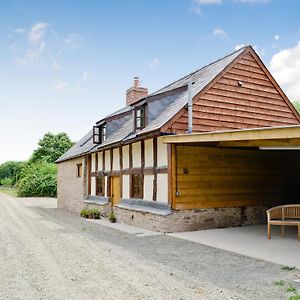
160, 110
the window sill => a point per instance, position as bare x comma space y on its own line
97, 200
141, 205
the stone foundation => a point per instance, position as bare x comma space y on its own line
195, 219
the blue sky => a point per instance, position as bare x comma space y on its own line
66, 64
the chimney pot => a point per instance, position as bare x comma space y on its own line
136, 81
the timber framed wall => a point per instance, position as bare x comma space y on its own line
209, 177
147, 158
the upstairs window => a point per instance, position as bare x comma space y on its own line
99, 134
140, 117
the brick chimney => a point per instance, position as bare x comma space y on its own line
136, 92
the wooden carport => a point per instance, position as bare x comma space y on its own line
232, 169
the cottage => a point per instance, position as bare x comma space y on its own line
206, 151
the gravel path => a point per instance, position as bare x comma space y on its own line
47, 253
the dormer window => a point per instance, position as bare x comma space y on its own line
140, 117
99, 134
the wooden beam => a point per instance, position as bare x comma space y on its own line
121, 169
154, 147
274, 133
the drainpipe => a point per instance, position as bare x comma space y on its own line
190, 108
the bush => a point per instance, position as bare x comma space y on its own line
10, 172
38, 180
7, 182
112, 217
90, 213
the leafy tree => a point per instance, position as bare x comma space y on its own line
9, 172
297, 105
38, 180
51, 147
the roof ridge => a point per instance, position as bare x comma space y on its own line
203, 67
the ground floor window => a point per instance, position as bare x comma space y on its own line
137, 186
79, 170
100, 185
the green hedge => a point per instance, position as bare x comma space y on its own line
38, 180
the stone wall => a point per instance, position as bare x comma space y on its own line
71, 188
195, 219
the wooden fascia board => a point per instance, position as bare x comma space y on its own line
274, 133
169, 123
275, 84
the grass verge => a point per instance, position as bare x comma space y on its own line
9, 191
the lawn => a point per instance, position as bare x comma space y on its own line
9, 191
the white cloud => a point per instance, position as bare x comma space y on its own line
220, 33
59, 86
204, 2
196, 5
154, 63
72, 41
37, 32
238, 47
253, 1
20, 31
285, 67
276, 37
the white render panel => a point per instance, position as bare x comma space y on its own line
116, 159
149, 153
148, 187
162, 153
93, 167
126, 187
107, 160
162, 188
93, 186
136, 155
100, 160
125, 151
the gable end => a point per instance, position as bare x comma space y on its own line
244, 95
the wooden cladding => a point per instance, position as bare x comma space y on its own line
205, 177
257, 102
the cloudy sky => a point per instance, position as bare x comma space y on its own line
66, 64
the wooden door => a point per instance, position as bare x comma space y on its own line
115, 190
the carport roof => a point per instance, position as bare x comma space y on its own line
270, 136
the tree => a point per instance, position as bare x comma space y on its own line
297, 105
51, 147
9, 172
38, 180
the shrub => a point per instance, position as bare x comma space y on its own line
38, 180
7, 182
10, 170
84, 213
95, 213
112, 218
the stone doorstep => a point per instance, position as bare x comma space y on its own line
145, 209
151, 207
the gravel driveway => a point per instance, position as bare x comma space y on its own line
47, 253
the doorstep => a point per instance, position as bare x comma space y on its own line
140, 232
151, 207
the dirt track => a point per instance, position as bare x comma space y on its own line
46, 253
